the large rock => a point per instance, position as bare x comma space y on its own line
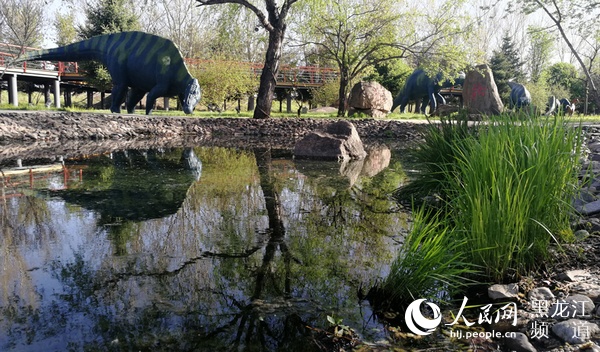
480, 93
370, 98
339, 141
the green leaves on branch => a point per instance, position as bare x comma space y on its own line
222, 80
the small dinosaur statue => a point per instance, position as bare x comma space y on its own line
144, 62
519, 96
419, 86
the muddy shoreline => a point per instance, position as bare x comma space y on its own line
25, 134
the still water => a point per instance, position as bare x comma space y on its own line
194, 249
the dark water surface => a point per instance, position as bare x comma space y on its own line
194, 249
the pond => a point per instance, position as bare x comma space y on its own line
194, 249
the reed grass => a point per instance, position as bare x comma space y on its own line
505, 189
510, 191
428, 265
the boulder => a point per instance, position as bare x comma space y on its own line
480, 93
339, 141
370, 98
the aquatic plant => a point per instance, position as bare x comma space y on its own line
504, 191
509, 192
429, 264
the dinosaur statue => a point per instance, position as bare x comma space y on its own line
562, 106
144, 62
519, 96
568, 107
553, 106
419, 86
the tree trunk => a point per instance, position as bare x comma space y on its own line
268, 76
344, 81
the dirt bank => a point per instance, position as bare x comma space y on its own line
25, 134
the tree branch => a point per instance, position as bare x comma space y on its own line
261, 16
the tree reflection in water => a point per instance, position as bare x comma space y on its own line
248, 269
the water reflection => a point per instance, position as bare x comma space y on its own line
247, 255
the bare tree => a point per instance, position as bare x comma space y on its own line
21, 22
275, 22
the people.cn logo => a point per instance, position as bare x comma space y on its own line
417, 323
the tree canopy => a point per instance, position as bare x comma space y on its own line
108, 16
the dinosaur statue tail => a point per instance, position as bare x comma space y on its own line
89, 49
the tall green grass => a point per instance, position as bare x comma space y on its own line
428, 265
505, 188
510, 190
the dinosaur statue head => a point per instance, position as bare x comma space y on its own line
191, 97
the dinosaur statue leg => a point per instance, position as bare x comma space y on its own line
135, 95
424, 104
155, 93
403, 103
431, 95
119, 92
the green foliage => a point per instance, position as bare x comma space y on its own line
430, 264
391, 74
352, 33
506, 64
563, 80
436, 155
221, 80
236, 34
108, 16
539, 51
504, 187
66, 32
327, 94
540, 92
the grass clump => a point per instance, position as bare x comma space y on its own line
429, 265
509, 193
504, 192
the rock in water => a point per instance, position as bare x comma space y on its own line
339, 141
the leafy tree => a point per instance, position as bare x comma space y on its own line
565, 15
539, 52
21, 21
108, 16
358, 35
274, 20
66, 32
391, 74
563, 80
327, 94
352, 33
222, 79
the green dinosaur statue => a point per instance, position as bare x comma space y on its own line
144, 62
